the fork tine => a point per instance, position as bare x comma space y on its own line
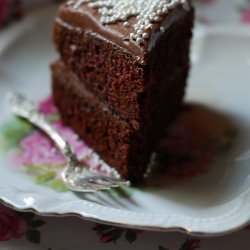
114, 181
97, 186
105, 183
100, 182
96, 181
84, 188
108, 181
88, 188
102, 179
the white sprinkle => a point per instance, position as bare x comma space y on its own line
140, 32
139, 41
132, 35
145, 35
126, 24
157, 19
162, 29
150, 26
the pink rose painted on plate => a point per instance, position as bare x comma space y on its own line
47, 107
12, 225
245, 16
244, 10
16, 225
5, 10
37, 149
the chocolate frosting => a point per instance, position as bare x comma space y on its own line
87, 19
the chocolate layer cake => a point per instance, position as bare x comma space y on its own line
122, 74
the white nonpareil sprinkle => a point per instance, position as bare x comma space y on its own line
146, 12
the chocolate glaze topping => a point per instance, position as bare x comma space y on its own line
87, 19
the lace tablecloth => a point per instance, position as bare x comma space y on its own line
28, 231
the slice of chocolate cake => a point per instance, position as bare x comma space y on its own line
132, 56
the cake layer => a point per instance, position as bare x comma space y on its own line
119, 143
133, 83
123, 145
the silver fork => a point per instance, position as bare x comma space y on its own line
76, 176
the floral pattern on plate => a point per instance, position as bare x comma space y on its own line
49, 232
15, 225
244, 10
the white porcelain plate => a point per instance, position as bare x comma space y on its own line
206, 188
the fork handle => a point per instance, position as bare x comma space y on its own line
26, 109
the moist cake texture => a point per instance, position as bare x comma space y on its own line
118, 83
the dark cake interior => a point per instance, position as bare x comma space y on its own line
117, 94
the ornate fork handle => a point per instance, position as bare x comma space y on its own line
24, 108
